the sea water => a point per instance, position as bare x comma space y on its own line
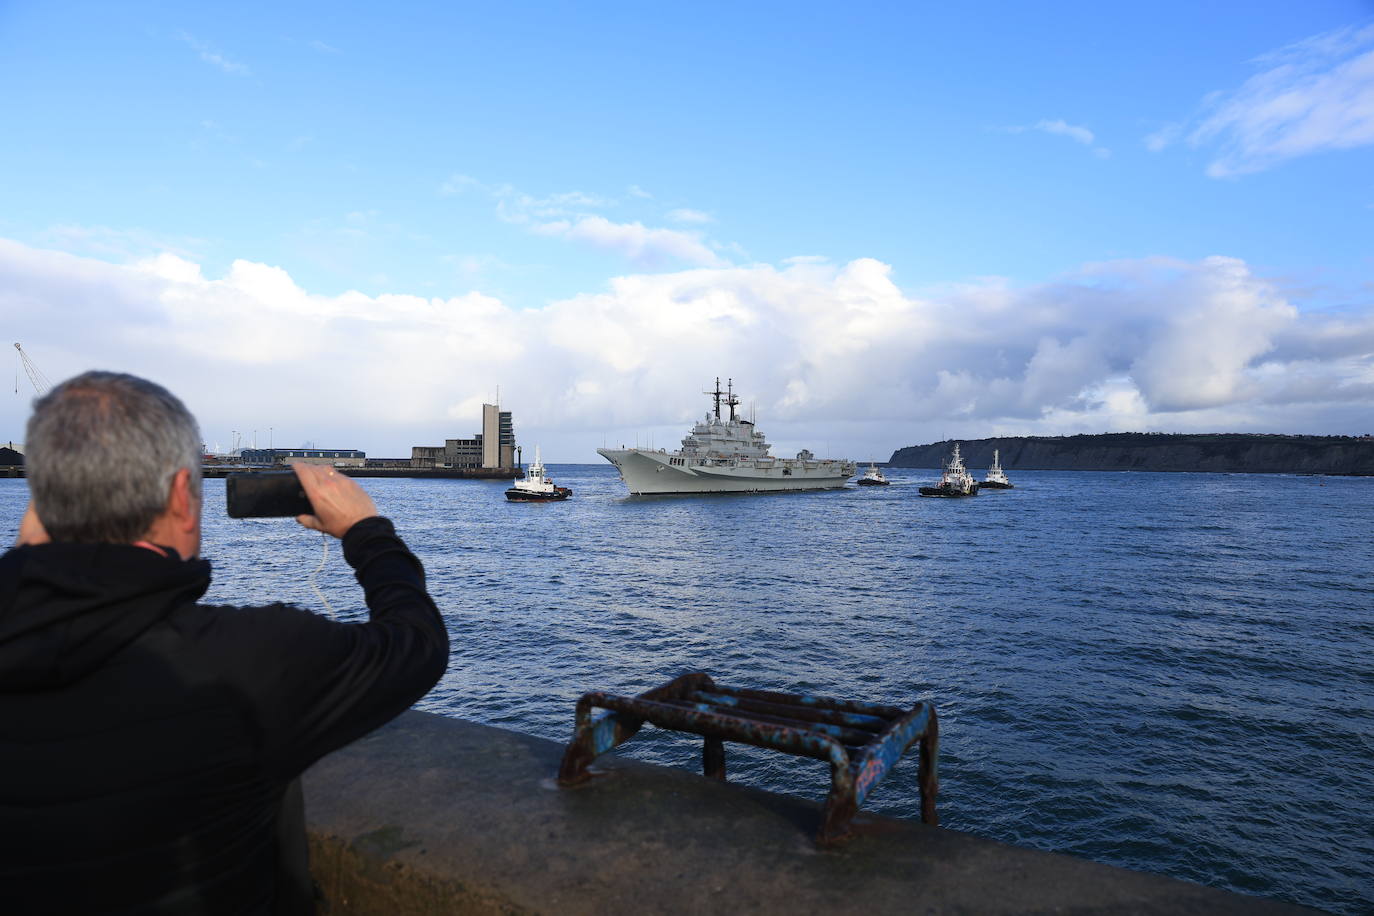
1167, 672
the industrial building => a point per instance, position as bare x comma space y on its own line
493, 447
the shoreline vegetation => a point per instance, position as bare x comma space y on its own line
1244, 453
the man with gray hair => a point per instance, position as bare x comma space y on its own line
150, 745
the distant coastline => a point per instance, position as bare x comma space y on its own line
1246, 453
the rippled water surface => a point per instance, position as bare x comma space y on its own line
1169, 672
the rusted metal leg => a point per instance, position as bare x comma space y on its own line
592, 738
842, 804
928, 770
713, 758
576, 758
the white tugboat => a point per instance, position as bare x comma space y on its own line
535, 486
997, 478
724, 455
873, 477
955, 481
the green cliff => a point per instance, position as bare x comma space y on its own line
1228, 452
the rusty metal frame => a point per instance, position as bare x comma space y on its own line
860, 741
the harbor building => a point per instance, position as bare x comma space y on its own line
492, 448
498, 437
334, 457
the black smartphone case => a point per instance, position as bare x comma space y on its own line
266, 494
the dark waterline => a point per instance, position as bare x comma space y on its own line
1168, 672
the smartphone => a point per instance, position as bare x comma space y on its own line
266, 494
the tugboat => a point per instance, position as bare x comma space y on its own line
873, 477
535, 487
997, 478
955, 481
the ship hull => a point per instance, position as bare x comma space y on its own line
991, 485
949, 492
649, 473
516, 495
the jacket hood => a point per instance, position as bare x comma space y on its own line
66, 608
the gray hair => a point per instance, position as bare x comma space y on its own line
101, 451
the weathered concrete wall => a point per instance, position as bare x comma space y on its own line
432, 815
1231, 452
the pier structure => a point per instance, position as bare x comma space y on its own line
436, 815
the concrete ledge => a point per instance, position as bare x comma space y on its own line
437, 815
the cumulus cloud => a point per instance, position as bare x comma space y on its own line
1309, 97
829, 353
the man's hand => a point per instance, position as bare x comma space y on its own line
31, 530
339, 503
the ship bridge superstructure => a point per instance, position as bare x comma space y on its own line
721, 437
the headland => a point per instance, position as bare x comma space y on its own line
1241, 453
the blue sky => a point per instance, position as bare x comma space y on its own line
890, 222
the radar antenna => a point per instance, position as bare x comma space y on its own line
731, 399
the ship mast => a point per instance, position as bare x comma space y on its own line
716, 394
730, 398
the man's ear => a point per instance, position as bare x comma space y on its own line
182, 506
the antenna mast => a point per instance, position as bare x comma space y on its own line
731, 399
37, 379
716, 394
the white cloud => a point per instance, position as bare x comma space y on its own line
828, 352
460, 184
638, 244
213, 57
1198, 355
1312, 96
1164, 137
1062, 128
109, 242
472, 266
685, 215
568, 215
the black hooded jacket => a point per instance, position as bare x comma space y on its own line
147, 741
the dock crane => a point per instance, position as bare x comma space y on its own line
36, 377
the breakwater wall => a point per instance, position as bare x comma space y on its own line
211, 471
425, 473
432, 815
1221, 452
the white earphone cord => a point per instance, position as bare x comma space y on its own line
314, 586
